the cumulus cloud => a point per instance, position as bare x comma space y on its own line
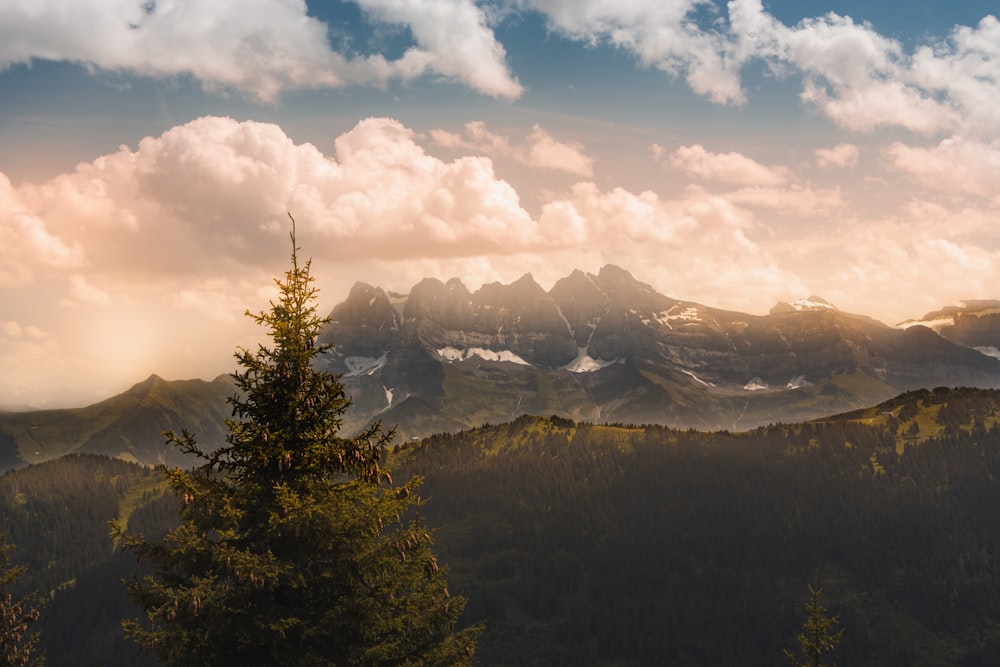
171, 239
841, 155
26, 241
81, 291
863, 80
260, 47
661, 35
857, 77
902, 250
691, 246
540, 151
795, 199
454, 40
954, 165
730, 167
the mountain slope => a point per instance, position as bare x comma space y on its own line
973, 323
128, 426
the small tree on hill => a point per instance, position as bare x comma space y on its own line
295, 547
17, 648
819, 636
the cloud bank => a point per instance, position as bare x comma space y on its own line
858, 78
146, 257
259, 47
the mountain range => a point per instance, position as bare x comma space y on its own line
609, 348
599, 347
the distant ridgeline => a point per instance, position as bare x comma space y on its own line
622, 544
602, 348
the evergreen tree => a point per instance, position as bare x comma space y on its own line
295, 547
818, 637
16, 649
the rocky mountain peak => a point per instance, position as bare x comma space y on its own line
812, 304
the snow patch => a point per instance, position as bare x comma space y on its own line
689, 314
798, 381
452, 354
584, 363
388, 396
811, 304
697, 379
989, 351
569, 328
364, 365
756, 384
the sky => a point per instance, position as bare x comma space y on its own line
735, 154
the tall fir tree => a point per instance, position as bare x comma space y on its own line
295, 547
17, 647
819, 636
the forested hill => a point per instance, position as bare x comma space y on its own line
581, 544
56, 514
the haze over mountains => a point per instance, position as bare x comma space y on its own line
596, 347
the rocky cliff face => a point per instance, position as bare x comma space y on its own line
608, 347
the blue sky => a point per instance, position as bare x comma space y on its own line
734, 154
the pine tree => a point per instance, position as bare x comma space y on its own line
16, 649
295, 547
818, 637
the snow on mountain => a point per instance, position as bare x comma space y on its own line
812, 304
364, 365
696, 378
798, 381
584, 363
452, 354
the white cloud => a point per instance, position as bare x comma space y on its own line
795, 199
171, 239
863, 80
841, 155
954, 165
26, 241
859, 78
260, 47
695, 246
548, 153
663, 35
454, 41
725, 167
540, 151
81, 291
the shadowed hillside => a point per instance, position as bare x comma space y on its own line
583, 544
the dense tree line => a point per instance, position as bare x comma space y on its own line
641, 545
646, 545
57, 514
